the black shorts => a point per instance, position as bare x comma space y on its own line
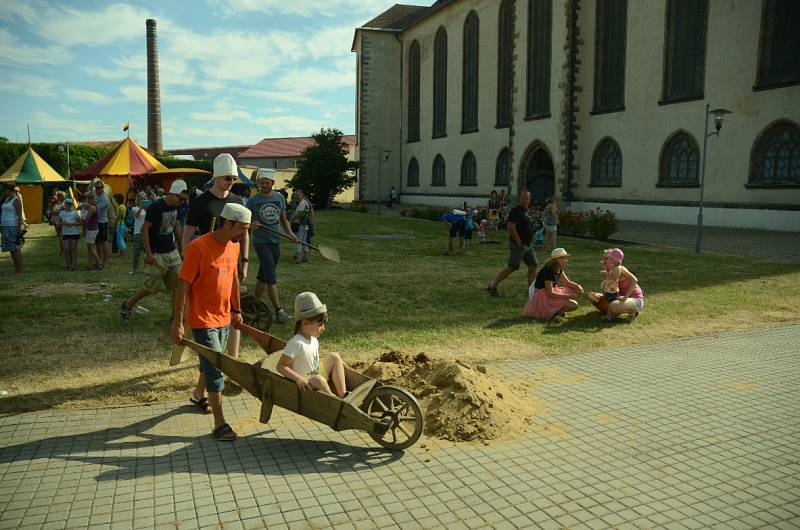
102, 233
458, 228
74, 237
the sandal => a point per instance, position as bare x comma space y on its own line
224, 433
201, 403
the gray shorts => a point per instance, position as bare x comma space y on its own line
516, 255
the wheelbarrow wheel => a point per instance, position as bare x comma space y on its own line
256, 313
397, 411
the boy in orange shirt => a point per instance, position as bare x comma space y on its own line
209, 281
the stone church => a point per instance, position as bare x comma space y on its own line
596, 102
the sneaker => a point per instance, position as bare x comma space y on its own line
283, 316
125, 312
492, 291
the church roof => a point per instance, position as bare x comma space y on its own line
397, 17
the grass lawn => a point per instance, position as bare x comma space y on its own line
64, 344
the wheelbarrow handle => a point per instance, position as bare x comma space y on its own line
269, 343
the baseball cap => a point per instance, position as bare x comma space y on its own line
178, 186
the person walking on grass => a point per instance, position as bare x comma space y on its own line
203, 217
139, 211
120, 228
70, 231
11, 223
160, 232
209, 282
550, 221
91, 227
300, 221
520, 243
104, 207
268, 208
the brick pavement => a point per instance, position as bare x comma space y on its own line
695, 433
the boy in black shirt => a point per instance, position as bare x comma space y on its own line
520, 237
160, 232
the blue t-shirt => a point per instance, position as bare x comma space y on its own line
266, 210
102, 208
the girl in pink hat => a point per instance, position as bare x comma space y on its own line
621, 292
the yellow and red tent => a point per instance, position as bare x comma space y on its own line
31, 173
129, 162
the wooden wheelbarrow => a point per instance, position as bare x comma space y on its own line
390, 415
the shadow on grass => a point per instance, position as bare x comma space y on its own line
51, 398
503, 323
586, 322
266, 456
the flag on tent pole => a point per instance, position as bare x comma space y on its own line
126, 126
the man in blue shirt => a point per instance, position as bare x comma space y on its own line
269, 209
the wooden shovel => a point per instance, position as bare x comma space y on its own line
328, 253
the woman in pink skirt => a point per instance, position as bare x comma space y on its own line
552, 293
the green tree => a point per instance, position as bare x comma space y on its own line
323, 169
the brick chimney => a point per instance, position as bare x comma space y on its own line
153, 90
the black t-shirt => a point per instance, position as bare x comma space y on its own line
546, 274
207, 207
519, 216
162, 218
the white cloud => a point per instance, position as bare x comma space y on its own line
303, 8
49, 127
331, 41
13, 51
138, 94
308, 80
31, 85
26, 10
69, 109
290, 125
112, 24
107, 73
269, 96
88, 95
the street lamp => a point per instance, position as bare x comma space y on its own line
384, 156
719, 115
61, 148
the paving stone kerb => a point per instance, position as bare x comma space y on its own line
686, 434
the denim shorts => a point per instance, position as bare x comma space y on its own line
216, 339
610, 297
268, 256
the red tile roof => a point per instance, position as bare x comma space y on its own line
286, 147
209, 153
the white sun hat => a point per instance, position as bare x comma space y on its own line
236, 212
225, 166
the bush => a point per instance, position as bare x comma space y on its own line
572, 223
597, 223
358, 207
431, 214
602, 223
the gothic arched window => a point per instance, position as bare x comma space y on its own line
469, 170
438, 178
680, 162
775, 160
412, 177
469, 82
607, 164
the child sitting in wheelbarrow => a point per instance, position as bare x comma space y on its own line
300, 360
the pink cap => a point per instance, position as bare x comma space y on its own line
616, 254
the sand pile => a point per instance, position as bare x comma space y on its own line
460, 401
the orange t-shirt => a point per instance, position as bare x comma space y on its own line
209, 267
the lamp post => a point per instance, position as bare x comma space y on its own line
384, 156
719, 115
61, 148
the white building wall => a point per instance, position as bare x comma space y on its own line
641, 130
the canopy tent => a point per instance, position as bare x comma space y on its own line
32, 174
129, 162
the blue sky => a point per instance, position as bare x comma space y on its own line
232, 71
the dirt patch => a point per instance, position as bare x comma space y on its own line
55, 289
460, 401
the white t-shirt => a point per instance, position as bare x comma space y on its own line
69, 216
138, 221
305, 354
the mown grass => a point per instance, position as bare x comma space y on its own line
64, 345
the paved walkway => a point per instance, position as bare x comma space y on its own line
695, 433
762, 244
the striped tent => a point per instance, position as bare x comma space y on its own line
127, 162
32, 174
